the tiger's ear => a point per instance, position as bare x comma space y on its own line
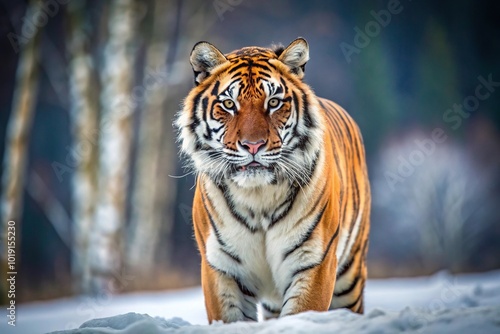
205, 57
295, 56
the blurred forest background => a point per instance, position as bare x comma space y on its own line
89, 90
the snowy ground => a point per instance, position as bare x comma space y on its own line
436, 304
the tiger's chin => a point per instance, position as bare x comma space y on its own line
253, 177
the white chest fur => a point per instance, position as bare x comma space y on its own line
254, 251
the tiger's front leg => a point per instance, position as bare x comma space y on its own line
310, 288
224, 299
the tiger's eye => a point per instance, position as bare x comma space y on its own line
274, 102
228, 104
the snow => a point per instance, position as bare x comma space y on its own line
437, 304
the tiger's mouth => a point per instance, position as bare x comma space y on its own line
253, 174
254, 166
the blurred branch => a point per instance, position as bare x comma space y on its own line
52, 208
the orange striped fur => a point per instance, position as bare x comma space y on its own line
282, 201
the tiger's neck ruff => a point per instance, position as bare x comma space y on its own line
281, 206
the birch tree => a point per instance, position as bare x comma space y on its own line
84, 123
148, 204
153, 208
114, 146
17, 138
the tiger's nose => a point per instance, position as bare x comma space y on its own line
252, 147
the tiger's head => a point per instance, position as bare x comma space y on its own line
251, 119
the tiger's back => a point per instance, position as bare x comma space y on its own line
282, 202
355, 201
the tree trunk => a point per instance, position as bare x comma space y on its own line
148, 204
84, 123
114, 147
16, 143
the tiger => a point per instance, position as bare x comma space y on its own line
281, 207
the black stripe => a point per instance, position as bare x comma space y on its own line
295, 102
212, 223
305, 268
356, 148
323, 106
249, 63
246, 316
285, 86
287, 300
219, 270
231, 305
221, 242
264, 74
215, 130
304, 140
349, 289
270, 65
334, 236
339, 126
238, 74
270, 309
351, 305
290, 284
204, 104
244, 290
231, 205
231, 255
286, 135
215, 90
237, 67
289, 201
194, 119
297, 112
349, 264
357, 249
345, 268
313, 265
355, 201
233, 154
310, 170
344, 208
307, 116
342, 116
309, 231
287, 287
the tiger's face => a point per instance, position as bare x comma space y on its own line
251, 119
